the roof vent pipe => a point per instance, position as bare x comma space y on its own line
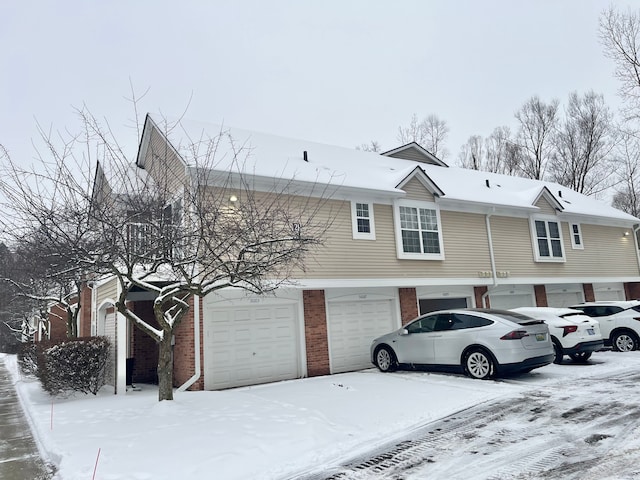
304, 156
487, 183
560, 193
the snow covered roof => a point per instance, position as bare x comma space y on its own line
272, 156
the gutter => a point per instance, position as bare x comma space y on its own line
494, 275
196, 341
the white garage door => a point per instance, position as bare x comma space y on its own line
608, 291
248, 345
352, 327
505, 302
564, 299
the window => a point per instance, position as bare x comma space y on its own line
548, 241
423, 325
418, 233
362, 221
576, 236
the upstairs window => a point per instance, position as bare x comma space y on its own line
418, 233
576, 236
548, 241
362, 221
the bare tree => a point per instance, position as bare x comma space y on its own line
583, 145
472, 154
620, 35
627, 196
538, 122
372, 146
170, 229
431, 133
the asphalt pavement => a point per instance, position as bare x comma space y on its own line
19, 456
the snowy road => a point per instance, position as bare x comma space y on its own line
585, 427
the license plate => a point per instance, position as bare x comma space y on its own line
540, 337
591, 331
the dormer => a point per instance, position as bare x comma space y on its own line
414, 152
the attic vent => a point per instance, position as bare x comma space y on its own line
487, 183
304, 156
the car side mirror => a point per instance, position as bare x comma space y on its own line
404, 331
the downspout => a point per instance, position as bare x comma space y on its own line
494, 275
196, 341
635, 241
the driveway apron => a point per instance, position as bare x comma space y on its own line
19, 457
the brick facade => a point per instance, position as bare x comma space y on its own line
589, 295
315, 332
541, 295
184, 351
84, 319
478, 292
57, 324
632, 291
408, 304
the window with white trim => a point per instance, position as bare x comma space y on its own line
576, 236
418, 233
362, 221
548, 240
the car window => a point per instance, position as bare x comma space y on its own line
600, 310
480, 321
423, 325
462, 320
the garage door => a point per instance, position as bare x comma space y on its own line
608, 291
564, 299
248, 345
505, 302
352, 327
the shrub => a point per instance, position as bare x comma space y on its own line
74, 365
28, 358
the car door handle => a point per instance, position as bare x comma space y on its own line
436, 336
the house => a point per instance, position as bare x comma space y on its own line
410, 235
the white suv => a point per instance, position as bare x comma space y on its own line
619, 322
572, 332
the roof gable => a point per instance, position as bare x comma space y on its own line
413, 151
545, 196
423, 178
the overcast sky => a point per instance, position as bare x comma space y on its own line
341, 72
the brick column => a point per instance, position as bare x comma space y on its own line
478, 292
541, 295
632, 290
84, 329
315, 333
408, 304
589, 295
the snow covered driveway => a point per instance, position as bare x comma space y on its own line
560, 421
580, 426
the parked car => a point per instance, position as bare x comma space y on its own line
572, 332
619, 322
480, 342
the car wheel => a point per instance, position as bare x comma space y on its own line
580, 357
385, 359
624, 342
479, 364
557, 351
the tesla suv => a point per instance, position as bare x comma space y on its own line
480, 342
619, 322
572, 332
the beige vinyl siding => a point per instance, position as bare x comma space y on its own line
163, 164
108, 290
417, 191
545, 207
465, 243
411, 154
606, 253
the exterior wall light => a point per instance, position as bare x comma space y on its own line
233, 198
626, 233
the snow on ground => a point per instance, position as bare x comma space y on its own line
269, 431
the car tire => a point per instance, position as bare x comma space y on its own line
385, 359
580, 357
557, 351
624, 341
479, 364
